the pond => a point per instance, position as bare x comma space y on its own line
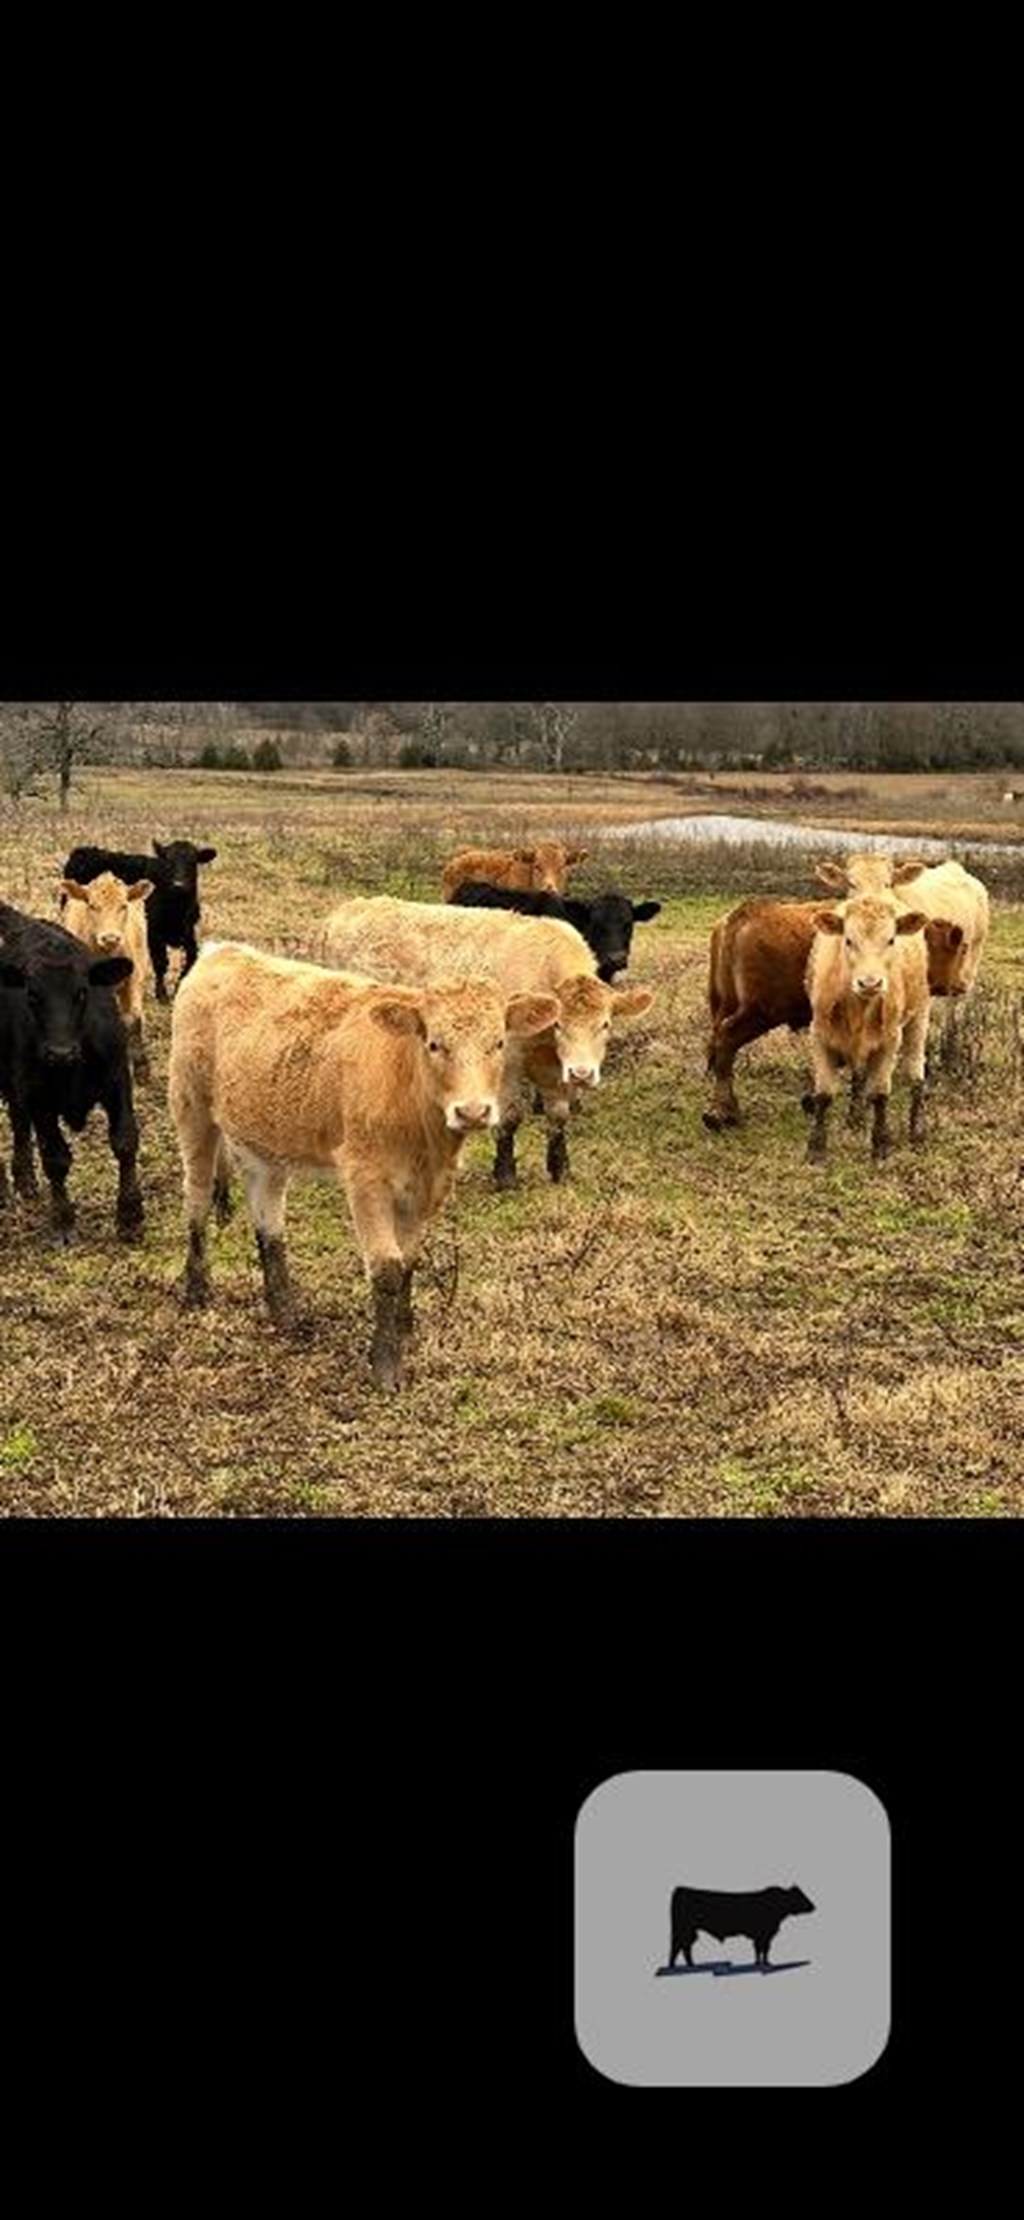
776, 832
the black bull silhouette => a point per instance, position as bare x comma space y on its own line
724, 1912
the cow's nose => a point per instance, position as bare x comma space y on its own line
585, 1075
60, 1055
470, 1114
867, 984
108, 940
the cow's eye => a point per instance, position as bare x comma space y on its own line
606, 1025
436, 1048
80, 998
497, 1049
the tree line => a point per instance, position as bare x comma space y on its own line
44, 741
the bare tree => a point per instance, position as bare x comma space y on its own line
553, 722
20, 750
68, 738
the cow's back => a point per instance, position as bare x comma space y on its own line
416, 942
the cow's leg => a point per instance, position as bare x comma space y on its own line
266, 1188
557, 1109
505, 1172
222, 1203
371, 1203
878, 1088
123, 1133
158, 959
56, 1161
856, 1113
137, 1051
730, 1035
915, 1042
199, 1142
825, 1068
191, 948
23, 1170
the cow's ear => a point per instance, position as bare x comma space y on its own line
955, 935
11, 974
576, 855
644, 910
158, 847
631, 1001
910, 868
76, 893
830, 874
139, 891
400, 1016
827, 921
108, 971
205, 855
912, 921
532, 1013
524, 855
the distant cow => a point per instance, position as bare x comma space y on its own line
172, 909
420, 942
282, 1067
867, 984
723, 1912
63, 1050
107, 915
606, 921
544, 867
756, 981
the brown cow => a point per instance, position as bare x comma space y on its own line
283, 1067
758, 965
544, 867
417, 942
867, 984
110, 918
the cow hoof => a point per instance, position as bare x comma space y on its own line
387, 1374
143, 1073
131, 1229
195, 1293
719, 1121
816, 1152
506, 1182
223, 1207
63, 1237
880, 1150
807, 1105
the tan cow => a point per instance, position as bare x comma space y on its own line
416, 942
544, 867
282, 1067
944, 891
868, 873
867, 984
110, 918
757, 981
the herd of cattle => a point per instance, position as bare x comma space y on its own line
415, 1024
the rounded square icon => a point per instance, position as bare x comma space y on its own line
732, 1929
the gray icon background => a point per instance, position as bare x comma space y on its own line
638, 1835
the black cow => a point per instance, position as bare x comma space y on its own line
172, 910
722, 1912
63, 1049
606, 921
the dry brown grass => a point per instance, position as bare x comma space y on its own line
693, 1325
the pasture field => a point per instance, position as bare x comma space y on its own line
693, 1325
